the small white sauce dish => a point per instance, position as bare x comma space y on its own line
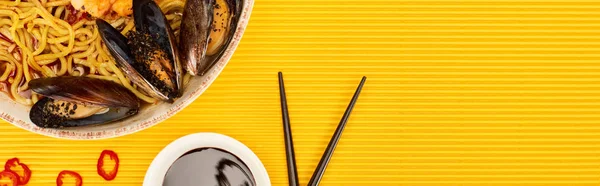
158, 169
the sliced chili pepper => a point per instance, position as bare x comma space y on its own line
64, 173
72, 15
100, 166
24, 173
9, 178
85, 16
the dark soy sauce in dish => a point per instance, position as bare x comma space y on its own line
208, 167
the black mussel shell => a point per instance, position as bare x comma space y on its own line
147, 55
154, 32
85, 90
149, 19
199, 20
50, 113
68, 96
194, 33
119, 49
234, 10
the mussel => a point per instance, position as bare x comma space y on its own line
207, 27
147, 55
71, 101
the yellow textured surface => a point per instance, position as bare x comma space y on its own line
458, 93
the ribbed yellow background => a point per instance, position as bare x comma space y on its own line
458, 93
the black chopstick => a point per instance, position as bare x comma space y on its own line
320, 169
289, 145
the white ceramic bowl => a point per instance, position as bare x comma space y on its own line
162, 162
18, 115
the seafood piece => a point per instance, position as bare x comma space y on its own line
122, 7
210, 25
72, 101
147, 55
99, 8
96, 8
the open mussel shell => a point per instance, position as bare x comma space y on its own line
71, 101
148, 55
207, 28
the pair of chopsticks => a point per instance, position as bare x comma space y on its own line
289, 145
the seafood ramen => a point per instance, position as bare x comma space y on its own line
88, 62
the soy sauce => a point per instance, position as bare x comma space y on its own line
208, 167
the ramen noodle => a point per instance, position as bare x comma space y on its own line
50, 38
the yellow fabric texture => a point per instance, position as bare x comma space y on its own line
469, 92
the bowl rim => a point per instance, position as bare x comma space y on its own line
167, 156
143, 124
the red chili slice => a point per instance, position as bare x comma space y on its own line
71, 14
100, 166
24, 172
62, 174
73, 17
9, 178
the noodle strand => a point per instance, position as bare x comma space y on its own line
43, 38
